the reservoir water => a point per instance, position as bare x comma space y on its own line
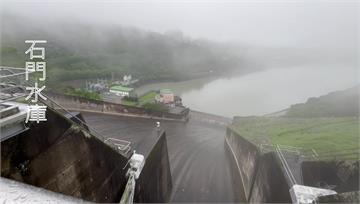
262, 92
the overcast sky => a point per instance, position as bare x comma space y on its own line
305, 23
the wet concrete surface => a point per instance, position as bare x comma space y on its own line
200, 164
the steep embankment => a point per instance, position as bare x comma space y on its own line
61, 156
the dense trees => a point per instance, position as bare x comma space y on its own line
83, 51
335, 104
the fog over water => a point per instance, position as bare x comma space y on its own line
306, 48
268, 91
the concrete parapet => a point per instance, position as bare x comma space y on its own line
245, 156
154, 184
261, 174
60, 156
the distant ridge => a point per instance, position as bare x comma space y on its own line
335, 104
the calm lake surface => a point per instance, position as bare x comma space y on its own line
261, 92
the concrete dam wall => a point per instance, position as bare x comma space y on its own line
155, 184
60, 156
270, 185
261, 174
83, 104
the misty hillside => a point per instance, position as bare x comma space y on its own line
79, 51
335, 104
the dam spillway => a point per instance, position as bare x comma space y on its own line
190, 162
200, 167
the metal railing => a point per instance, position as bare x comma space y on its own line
312, 154
128, 194
285, 166
271, 147
306, 154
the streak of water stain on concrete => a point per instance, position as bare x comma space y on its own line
200, 167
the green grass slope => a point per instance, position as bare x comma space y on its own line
328, 124
327, 136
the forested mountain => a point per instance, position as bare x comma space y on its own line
335, 104
80, 51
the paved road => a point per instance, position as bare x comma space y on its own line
199, 163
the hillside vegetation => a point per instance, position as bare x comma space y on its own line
329, 137
335, 104
80, 51
328, 124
